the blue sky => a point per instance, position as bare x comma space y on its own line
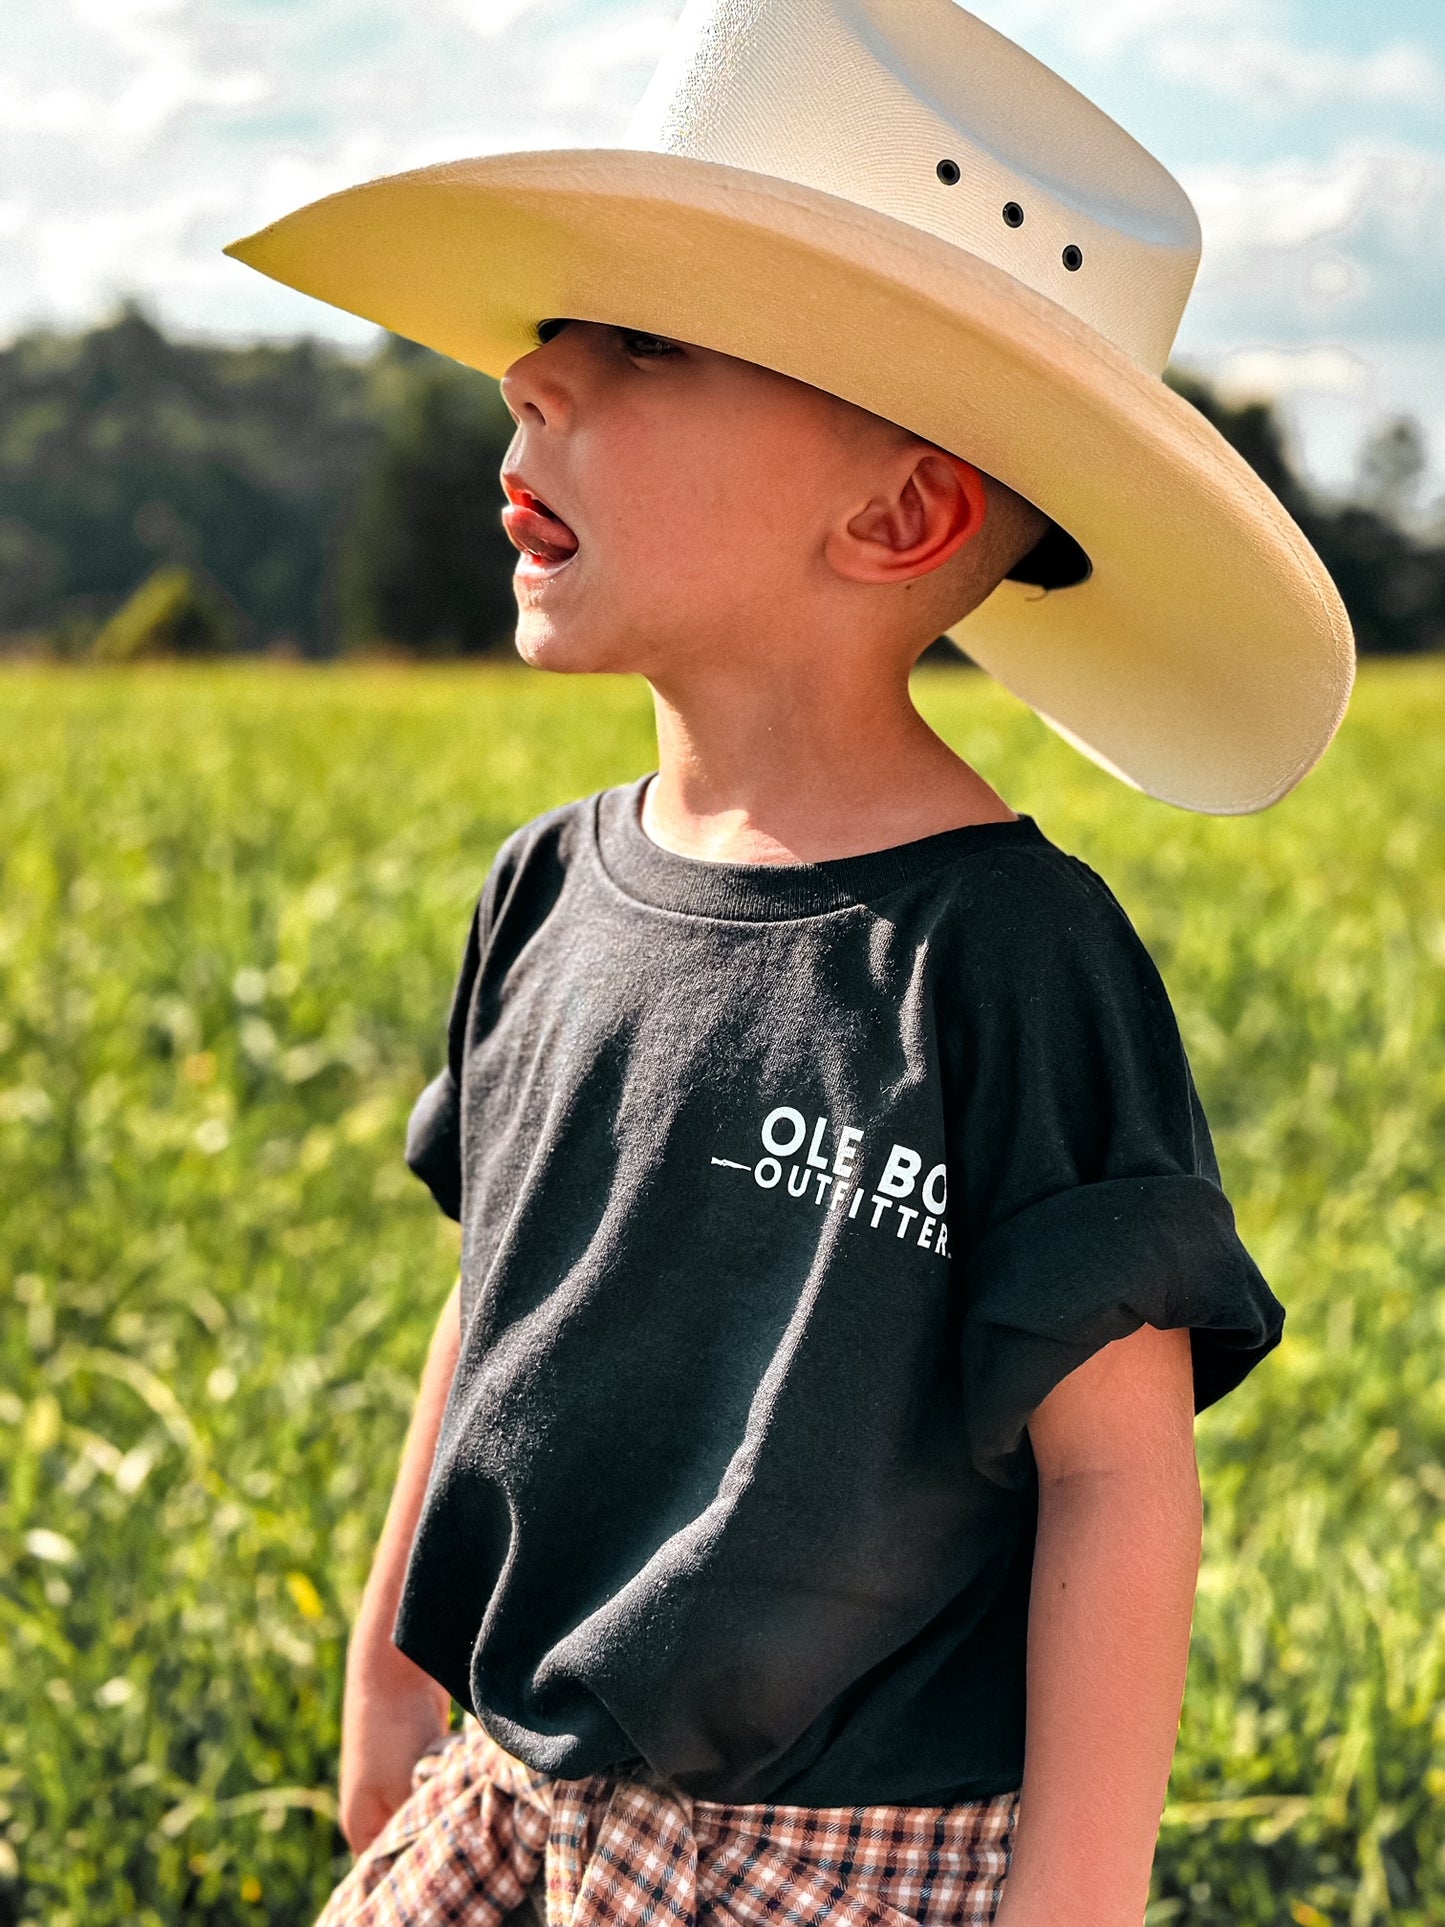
136, 136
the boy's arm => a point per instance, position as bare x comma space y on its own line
392, 1710
1116, 1564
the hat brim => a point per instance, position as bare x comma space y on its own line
1207, 660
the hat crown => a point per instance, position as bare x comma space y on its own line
920, 111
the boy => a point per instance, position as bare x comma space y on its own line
844, 1256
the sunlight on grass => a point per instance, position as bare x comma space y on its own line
234, 902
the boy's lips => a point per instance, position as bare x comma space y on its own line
535, 528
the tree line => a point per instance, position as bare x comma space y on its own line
192, 497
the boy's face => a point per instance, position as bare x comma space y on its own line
670, 502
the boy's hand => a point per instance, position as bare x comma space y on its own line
392, 1713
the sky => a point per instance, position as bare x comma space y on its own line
138, 136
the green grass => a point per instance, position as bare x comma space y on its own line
233, 904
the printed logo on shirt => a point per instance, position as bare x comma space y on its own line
827, 1169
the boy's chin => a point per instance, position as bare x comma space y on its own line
546, 644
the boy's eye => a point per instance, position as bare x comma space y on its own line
647, 347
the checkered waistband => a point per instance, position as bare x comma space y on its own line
481, 1830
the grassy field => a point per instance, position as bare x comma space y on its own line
233, 904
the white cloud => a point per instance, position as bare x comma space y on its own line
1259, 53
123, 14
155, 97
1290, 205
1103, 31
135, 71
1280, 373
1244, 211
143, 32
1333, 277
1108, 28
492, 18
608, 62
1277, 75
57, 110
141, 109
82, 264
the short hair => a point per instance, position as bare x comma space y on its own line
1017, 543
1056, 561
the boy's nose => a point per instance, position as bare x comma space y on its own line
534, 388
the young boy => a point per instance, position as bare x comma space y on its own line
844, 1255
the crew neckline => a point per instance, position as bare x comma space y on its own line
765, 892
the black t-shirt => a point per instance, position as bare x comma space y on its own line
787, 1193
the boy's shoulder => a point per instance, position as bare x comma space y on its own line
1029, 893
557, 829
1030, 939
543, 848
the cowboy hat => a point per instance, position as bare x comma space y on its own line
890, 201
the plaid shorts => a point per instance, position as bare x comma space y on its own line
482, 1836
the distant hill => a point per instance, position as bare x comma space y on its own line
335, 499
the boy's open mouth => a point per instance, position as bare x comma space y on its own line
535, 528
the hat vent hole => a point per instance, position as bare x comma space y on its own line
950, 173
1073, 258
1013, 214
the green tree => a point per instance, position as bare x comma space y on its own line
1392, 467
1391, 580
121, 449
423, 562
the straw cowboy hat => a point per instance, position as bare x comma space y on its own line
890, 201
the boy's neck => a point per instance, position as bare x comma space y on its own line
803, 773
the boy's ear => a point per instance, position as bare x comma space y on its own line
911, 530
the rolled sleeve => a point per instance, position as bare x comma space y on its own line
1090, 1193
1057, 1282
